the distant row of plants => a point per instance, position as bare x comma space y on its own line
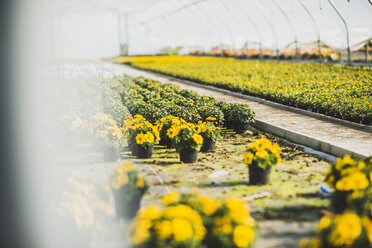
349, 224
335, 90
155, 100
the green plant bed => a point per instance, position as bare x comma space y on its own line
335, 90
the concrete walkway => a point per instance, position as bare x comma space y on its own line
326, 135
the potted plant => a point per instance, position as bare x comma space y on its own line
210, 134
145, 144
228, 222
237, 116
186, 140
350, 179
128, 188
108, 135
163, 125
141, 136
261, 155
176, 226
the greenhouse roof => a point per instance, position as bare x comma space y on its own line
148, 25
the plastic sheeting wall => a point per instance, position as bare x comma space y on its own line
270, 24
150, 26
83, 35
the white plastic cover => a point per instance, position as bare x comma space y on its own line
98, 28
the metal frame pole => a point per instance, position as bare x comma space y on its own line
316, 27
366, 51
272, 27
347, 32
251, 20
291, 25
226, 27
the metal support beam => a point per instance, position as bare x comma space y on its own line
366, 52
271, 25
127, 38
316, 28
251, 20
347, 32
291, 25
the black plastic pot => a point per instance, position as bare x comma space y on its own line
126, 208
240, 127
163, 142
111, 154
188, 155
257, 175
133, 149
209, 145
144, 151
169, 143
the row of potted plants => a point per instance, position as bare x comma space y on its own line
129, 187
333, 90
349, 224
155, 100
174, 132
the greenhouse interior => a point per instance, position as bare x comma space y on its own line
186, 124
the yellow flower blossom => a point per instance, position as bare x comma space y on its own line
170, 198
347, 228
197, 138
243, 236
182, 229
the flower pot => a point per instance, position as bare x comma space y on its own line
258, 175
169, 143
229, 125
126, 208
111, 154
188, 155
133, 149
163, 142
144, 151
240, 127
209, 145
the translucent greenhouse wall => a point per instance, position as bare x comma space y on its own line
108, 28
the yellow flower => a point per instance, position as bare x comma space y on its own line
141, 231
150, 212
304, 243
173, 132
170, 198
222, 225
347, 228
209, 205
140, 139
248, 158
262, 154
324, 222
238, 210
119, 181
210, 118
164, 229
197, 138
182, 229
149, 138
367, 224
354, 181
140, 182
243, 236
347, 160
